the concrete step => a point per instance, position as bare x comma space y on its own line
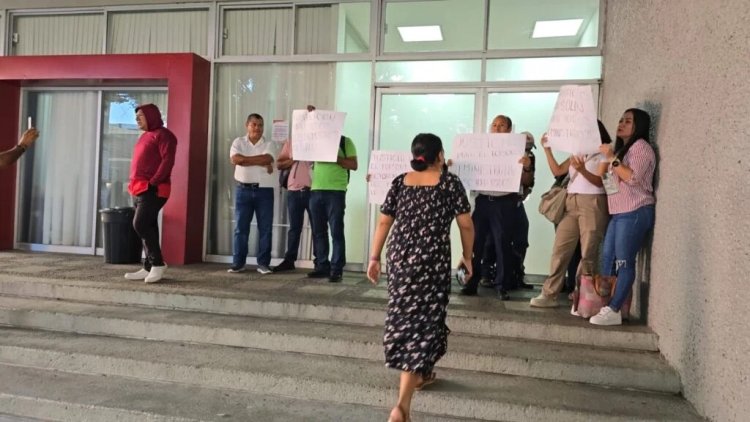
555, 361
458, 394
63, 396
349, 302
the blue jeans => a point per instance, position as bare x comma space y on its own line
327, 209
298, 201
249, 201
624, 238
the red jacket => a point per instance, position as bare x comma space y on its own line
153, 155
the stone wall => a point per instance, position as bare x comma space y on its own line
688, 62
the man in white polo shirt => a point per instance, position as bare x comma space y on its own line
253, 157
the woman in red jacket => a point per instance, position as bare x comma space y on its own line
150, 185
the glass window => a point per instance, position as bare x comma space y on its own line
58, 34
544, 68
338, 28
173, 31
58, 173
460, 26
273, 90
570, 24
257, 31
429, 71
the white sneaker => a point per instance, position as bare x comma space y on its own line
156, 273
574, 311
138, 275
264, 269
606, 317
543, 301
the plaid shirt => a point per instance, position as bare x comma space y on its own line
639, 190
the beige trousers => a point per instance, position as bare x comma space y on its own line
586, 218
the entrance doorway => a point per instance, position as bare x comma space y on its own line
80, 165
401, 113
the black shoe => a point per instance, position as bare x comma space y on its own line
468, 292
334, 278
486, 282
525, 285
284, 266
319, 274
502, 294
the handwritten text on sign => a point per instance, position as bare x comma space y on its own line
489, 161
384, 167
573, 126
316, 134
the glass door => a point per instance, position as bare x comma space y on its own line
402, 114
76, 168
57, 177
119, 133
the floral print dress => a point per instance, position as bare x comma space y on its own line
419, 271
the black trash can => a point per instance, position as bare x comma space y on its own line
121, 243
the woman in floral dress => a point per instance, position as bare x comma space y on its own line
420, 207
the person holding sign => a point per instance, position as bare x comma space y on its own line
628, 178
585, 219
298, 201
252, 156
493, 213
420, 207
12, 155
327, 205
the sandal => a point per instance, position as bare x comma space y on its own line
402, 414
426, 381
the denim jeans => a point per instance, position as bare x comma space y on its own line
298, 201
624, 238
327, 209
146, 224
249, 201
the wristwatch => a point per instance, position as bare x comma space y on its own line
615, 162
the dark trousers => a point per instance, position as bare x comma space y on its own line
327, 209
249, 201
298, 202
490, 218
146, 224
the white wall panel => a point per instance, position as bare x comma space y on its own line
172, 31
58, 34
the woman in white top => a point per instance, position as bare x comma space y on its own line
585, 219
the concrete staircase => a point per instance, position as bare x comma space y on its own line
80, 343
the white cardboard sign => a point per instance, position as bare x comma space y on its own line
384, 167
573, 126
316, 134
489, 161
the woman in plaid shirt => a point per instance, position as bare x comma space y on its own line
628, 176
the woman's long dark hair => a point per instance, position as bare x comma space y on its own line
641, 127
603, 134
425, 148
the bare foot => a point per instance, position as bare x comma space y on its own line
398, 415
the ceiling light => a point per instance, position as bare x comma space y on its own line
420, 33
559, 28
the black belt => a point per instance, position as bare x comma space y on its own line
513, 196
249, 185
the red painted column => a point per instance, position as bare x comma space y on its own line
10, 98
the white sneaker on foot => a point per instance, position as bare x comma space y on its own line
543, 301
156, 273
606, 316
138, 275
264, 269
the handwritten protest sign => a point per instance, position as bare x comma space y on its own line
280, 131
316, 134
573, 126
384, 167
489, 161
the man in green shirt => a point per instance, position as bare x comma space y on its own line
327, 205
